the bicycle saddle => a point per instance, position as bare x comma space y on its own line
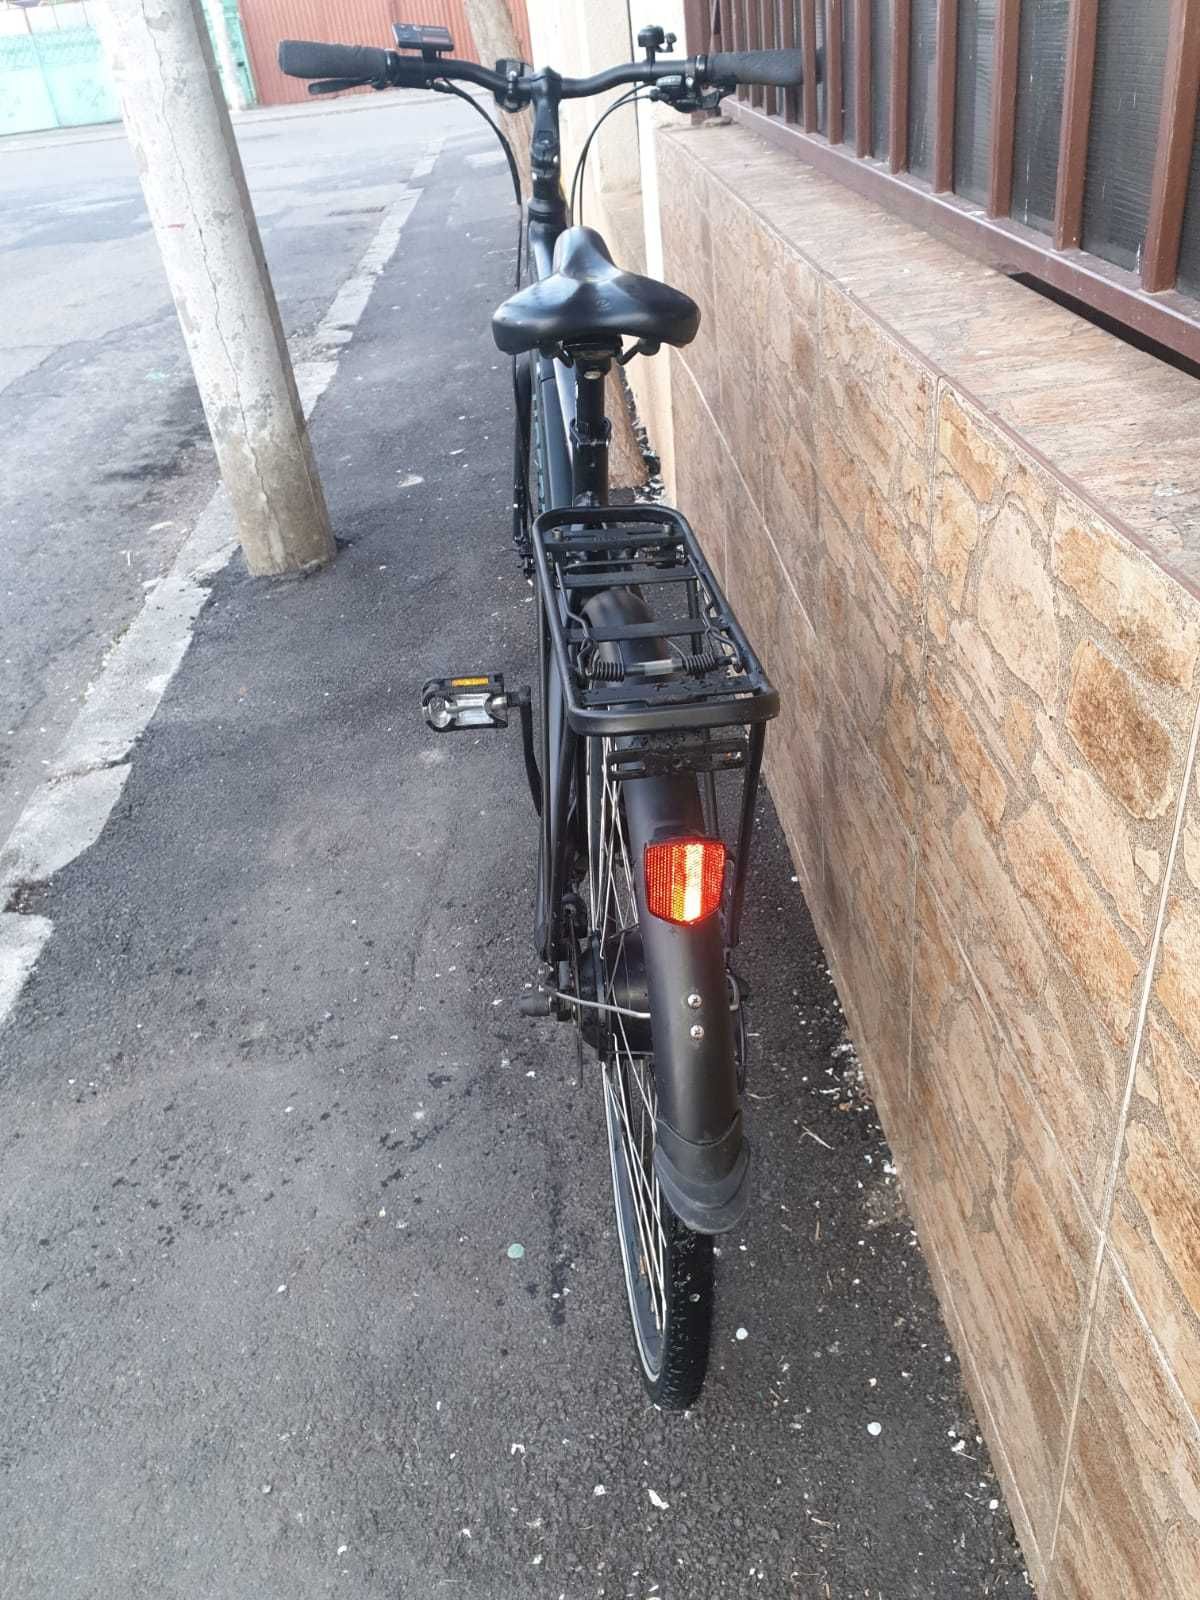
587, 296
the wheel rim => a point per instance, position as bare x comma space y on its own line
630, 1101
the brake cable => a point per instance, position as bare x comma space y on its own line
444, 86
580, 165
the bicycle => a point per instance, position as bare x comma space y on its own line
649, 693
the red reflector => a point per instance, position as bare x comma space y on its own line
684, 878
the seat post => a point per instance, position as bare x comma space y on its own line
591, 430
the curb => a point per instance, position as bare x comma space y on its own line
49, 138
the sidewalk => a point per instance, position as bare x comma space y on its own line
271, 1124
252, 117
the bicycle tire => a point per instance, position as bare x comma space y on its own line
668, 1269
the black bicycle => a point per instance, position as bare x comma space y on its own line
650, 697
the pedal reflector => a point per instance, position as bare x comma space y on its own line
684, 878
475, 701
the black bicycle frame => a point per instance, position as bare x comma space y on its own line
572, 452
702, 1158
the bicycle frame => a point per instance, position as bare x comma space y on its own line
701, 1158
571, 476
573, 451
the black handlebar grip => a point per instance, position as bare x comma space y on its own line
360, 63
781, 69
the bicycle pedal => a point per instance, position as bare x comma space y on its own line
477, 700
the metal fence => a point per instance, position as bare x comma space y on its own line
1056, 138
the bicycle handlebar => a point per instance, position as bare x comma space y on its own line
351, 65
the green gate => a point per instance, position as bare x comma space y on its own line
237, 44
56, 77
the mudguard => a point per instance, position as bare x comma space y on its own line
702, 1157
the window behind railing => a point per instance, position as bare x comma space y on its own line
1059, 138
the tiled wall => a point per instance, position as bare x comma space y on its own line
986, 767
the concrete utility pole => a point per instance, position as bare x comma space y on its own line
161, 58
219, 28
496, 40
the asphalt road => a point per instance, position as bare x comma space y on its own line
270, 1124
104, 455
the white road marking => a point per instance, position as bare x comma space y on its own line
60, 822
66, 813
21, 941
424, 165
315, 370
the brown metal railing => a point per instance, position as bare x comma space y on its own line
866, 49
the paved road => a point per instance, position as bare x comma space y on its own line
104, 456
269, 1123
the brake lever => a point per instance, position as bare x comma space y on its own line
336, 85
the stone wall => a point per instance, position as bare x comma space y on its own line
963, 528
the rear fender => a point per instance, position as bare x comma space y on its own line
702, 1157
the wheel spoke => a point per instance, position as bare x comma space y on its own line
644, 1194
628, 1076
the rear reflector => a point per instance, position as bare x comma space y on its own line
684, 878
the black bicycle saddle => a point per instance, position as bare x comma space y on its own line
586, 297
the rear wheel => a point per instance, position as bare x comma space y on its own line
668, 1269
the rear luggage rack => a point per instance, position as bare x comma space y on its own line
709, 676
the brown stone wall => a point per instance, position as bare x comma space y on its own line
963, 528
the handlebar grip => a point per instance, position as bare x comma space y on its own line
309, 58
781, 69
